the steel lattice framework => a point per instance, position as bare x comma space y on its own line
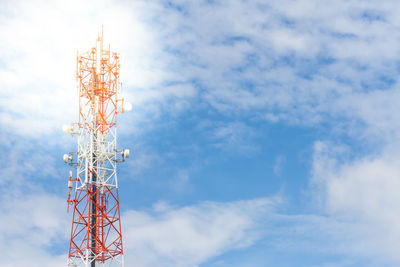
96, 238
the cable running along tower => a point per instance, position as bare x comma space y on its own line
96, 237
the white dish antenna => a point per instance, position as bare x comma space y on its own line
67, 128
127, 106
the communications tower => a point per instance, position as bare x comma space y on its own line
96, 237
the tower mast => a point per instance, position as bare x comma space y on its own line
96, 237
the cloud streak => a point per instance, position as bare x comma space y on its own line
191, 235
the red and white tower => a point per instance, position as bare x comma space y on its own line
96, 237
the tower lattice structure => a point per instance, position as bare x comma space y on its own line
96, 237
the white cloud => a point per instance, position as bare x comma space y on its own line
38, 51
235, 137
32, 224
361, 192
301, 62
191, 235
34, 229
242, 56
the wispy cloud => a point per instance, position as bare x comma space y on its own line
191, 235
279, 162
286, 62
235, 137
32, 225
361, 192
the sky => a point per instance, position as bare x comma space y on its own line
263, 133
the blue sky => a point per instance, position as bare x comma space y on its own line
263, 133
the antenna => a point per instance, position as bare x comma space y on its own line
96, 237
